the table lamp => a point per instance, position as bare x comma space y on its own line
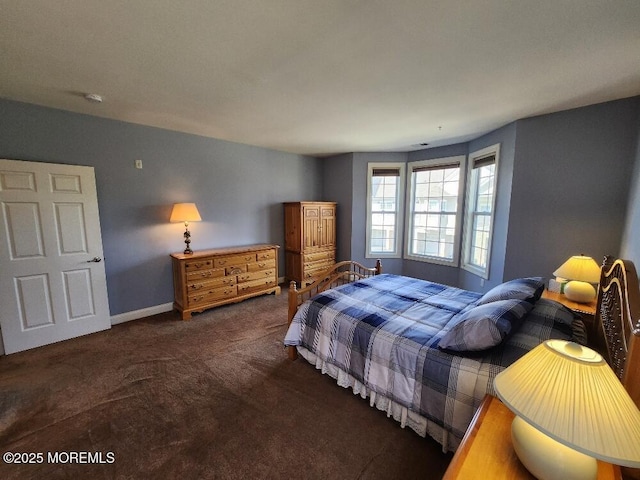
185, 212
571, 409
582, 272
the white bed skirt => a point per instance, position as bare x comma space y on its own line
407, 418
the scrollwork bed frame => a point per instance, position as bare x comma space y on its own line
618, 321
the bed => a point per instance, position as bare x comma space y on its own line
411, 346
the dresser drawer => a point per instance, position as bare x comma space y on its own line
211, 295
261, 265
209, 284
234, 260
204, 275
266, 255
200, 264
246, 277
235, 269
255, 285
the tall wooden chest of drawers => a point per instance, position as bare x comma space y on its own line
310, 239
208, 278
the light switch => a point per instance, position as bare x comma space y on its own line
139, 164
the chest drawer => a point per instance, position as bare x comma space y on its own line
314, 269
317, 256
319, 264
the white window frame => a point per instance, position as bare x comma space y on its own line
470, 209
460, 160
399, 211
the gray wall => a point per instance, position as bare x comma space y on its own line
630, 248
571, 185
239, 190
338, 172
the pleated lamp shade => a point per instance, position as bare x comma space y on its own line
571, 394
581, 268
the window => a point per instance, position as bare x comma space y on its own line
384, 209
434, 199
481, 196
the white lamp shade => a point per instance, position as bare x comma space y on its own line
185, 212
581, 268
569, 393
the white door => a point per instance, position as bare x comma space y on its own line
52, 278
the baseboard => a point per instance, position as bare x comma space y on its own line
144, 312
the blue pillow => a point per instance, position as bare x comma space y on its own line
485, 326
529, 288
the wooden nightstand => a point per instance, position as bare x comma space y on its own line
586, 310
486, 450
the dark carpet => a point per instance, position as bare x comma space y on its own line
210, 398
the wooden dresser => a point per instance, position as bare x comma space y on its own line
208, 278
310, 239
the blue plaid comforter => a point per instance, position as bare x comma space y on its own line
384, 332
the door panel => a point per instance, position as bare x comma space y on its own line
69, 218
23, 231
50, 290
77, 289
34, 301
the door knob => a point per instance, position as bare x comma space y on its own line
95, 260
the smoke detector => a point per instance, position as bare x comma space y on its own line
93, 97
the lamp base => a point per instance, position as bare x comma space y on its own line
548, 459
581, 292
187, 240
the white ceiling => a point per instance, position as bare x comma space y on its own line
321, 76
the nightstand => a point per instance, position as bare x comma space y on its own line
486, 450
586, 310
